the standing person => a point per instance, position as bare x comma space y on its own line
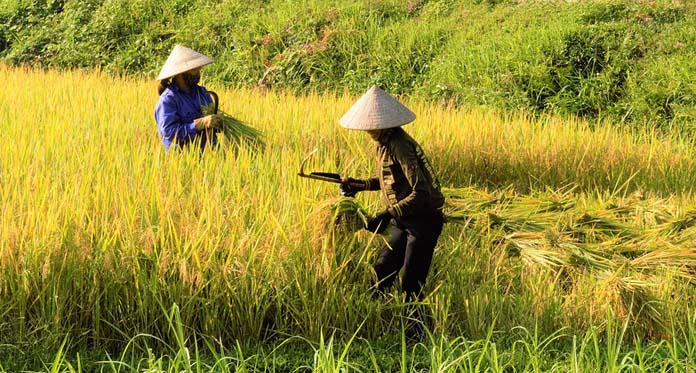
180, 120
409, 187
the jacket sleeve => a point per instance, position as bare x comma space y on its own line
405, 154
170, 125
372, 184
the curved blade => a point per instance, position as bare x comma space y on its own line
301, 173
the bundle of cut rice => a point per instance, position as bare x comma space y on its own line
348, 214
339, 214
235, 131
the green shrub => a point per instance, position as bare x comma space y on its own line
592, 71
591, 58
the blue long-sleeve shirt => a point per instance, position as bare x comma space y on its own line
175, 112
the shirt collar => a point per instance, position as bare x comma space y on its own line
177, 89
386, 135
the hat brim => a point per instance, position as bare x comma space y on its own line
376, 110
181, 60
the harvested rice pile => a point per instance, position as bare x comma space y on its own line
614, 251
558, 228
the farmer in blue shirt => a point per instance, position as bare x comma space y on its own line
180, 120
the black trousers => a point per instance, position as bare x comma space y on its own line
410, 246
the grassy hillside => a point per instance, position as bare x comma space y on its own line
632, 61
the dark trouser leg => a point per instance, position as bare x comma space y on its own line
391, 258
422, 237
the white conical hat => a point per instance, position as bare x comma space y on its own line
182, 59
376, 110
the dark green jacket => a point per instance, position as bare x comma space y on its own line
406, 178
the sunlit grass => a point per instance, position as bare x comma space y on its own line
103, 232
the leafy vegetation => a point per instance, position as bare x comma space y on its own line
630, 61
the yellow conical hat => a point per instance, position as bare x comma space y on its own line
182, 59
376, 110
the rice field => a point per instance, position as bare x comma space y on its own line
569, 246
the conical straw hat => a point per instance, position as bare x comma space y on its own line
182, 59
376, 110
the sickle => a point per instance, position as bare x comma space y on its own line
323, 176
216, 101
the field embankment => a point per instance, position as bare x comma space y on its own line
630, 61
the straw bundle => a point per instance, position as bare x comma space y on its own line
348, 214
235, 131
558, 230
340, 214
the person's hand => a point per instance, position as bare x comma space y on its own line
211, 121
350, 187
203, 123
379, 222
217, 121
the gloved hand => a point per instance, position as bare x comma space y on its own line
212, 121
350, 187
379, 222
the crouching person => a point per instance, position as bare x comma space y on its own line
409, 187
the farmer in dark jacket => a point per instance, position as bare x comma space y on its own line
180, 120
409, 187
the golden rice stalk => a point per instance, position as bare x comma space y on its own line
341, 215
589, 256
517, 223
470, 200
630, 295
348, 214
237, 132
680, 224
681, 260
534, 249
603, 226
549, 201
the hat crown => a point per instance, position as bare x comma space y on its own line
182, 59
376, 110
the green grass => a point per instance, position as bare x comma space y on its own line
521, 350
630, 61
